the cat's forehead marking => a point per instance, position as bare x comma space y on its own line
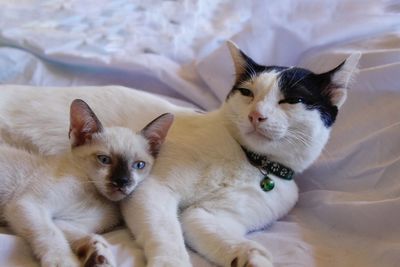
300, 82
293, 75
266, 84
266, 79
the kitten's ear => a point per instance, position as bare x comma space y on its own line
243, 64
156, 131
83, 123
341, 78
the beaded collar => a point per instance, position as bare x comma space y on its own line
268, 167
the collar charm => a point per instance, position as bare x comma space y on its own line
267, 184
268, 167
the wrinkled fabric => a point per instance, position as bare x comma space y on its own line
348, 211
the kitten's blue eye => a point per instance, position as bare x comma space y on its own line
292, 100
104, 159
245, 92
138, 165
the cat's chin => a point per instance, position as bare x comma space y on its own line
259, 137
116, 195
256, 141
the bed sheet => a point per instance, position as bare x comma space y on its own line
348, 211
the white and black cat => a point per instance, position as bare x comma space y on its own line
220, 174
57, 203
225, 173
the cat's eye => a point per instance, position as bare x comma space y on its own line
139, 165
104, 159
292, 100
245, 92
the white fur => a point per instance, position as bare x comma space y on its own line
202, 189
57, 202
298, 134
25, 112
203, 171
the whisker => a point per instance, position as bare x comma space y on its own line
293, 76
299, 80
297, 135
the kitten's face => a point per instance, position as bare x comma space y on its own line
116, 160
285, 113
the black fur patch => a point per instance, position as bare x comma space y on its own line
252, 69
313, 88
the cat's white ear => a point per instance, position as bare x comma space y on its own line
241, 61
156, 131
341, 78
83, 123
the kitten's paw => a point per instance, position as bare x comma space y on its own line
94, 251
60, 261
252, 255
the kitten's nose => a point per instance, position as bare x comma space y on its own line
256, 117
121, 182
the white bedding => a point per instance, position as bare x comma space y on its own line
349, 208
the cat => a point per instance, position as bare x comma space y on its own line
56, 203
220, 174
230, 171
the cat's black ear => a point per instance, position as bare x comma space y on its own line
83, 123
156, 131
245, 67
339, 79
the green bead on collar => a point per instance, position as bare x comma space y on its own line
267, 184
268, 167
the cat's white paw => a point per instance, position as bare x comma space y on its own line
252, 255
53, 260
94, 251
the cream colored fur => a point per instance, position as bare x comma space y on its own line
53, 212
57, 203
202, 190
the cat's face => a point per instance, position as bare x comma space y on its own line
285, 113
114, 159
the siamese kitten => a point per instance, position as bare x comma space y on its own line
57, 203
219, 174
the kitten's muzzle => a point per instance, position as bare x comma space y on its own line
121, 182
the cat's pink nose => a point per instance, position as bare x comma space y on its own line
256, 117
